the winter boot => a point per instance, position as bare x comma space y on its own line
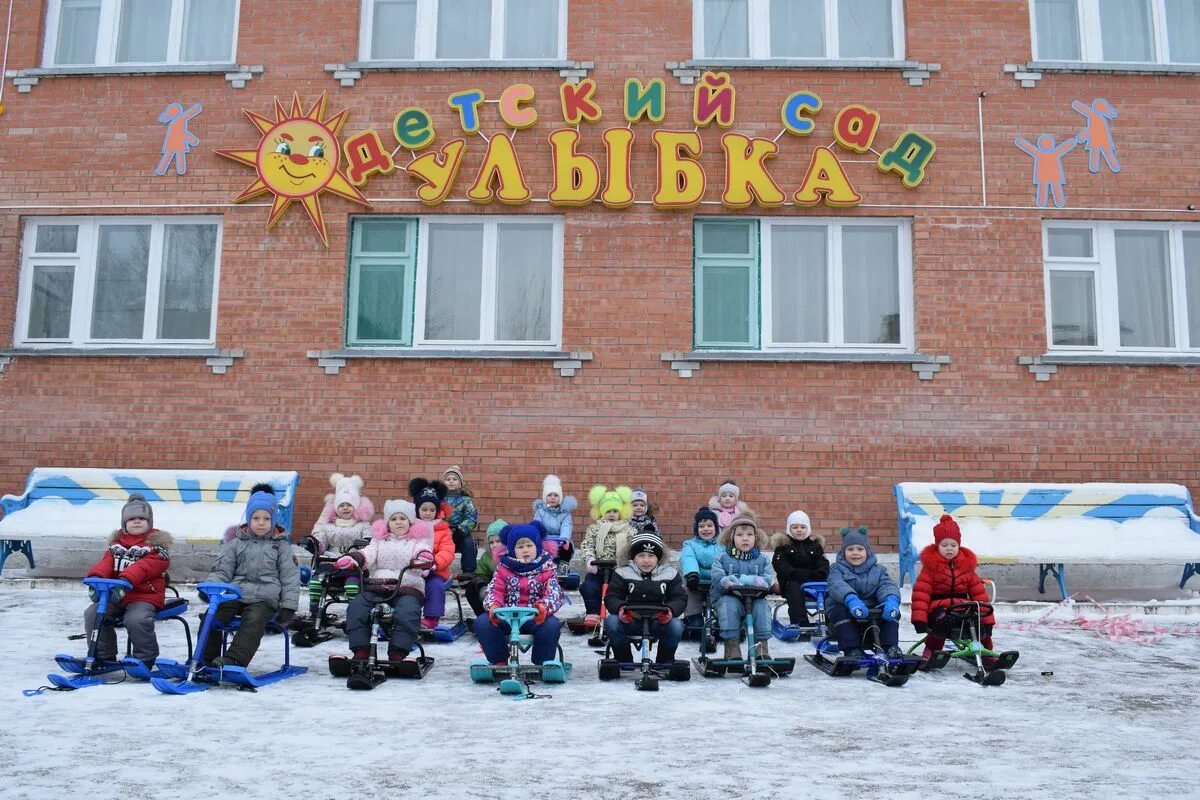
853, 653
895, 652
361, 654
623, 653
395, 656
760, 650
733, 650
926, 654
591, 621
429, 623
665, 655
564, 569
693, 627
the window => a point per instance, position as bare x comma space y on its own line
809, 29
1123, 287
806, 284
470, 30
450, 282
1134, 31
140, 32
103, 281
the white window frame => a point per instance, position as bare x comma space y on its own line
425, 42
108, 29
759, 25
1090, 41
488, 290
84, 281
1103, 266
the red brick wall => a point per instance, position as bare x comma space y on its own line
831, 438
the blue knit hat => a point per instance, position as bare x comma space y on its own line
262, 501
534, 531
855, 536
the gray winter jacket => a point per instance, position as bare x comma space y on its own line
262, 567
869, 580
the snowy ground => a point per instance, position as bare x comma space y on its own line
1112, 721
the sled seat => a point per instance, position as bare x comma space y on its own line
1054, 524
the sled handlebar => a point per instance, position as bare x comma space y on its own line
107, 584
219, 592
645, 611
970, 608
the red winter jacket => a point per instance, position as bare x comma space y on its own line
943, 583
443, 543
142, 560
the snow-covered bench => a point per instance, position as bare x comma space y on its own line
1055, 524
79, 508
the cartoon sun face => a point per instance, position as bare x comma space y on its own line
297, 159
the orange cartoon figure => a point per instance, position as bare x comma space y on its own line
1048, 173
178, 141
1096, 138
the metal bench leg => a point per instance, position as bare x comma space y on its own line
1043, 570
6, 550
27, 550
1057, 570
1060, 573
1188, 571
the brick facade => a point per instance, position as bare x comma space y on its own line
829, 437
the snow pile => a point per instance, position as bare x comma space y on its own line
198, 523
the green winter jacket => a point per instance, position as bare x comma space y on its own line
262, 567
485, 568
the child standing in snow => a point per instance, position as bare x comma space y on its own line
345, 520
643, 513
138, 553
857, 581
646, 580
740, 562
947, 577
525, 576
727, 504
696, 562
429, 498
799, 559
464, 518
554, 510
259, 562
606, 539
400, 550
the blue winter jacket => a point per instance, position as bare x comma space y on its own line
725, 564
698, 556
869, 580
557, 520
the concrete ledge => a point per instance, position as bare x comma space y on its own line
567, 362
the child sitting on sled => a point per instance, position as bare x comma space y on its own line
799, 559
947, 577
606, 539
647, 580
138, 553
696, 562
740, 562
401, 549
554, 511
858, 582
526, 577
259, 562
345, 519
485, 567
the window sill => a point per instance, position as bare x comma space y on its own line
1030, 73
917, 73
349, 73
218, 360
237, 75
566, 362
687, 363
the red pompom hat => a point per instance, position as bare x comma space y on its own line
947, 528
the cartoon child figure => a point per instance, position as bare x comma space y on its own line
1048, 173
178, 141
1096, 138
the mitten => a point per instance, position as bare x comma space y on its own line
345, 562
730, 581
540, 617
285, 616
93, 595
665, 616
492, 618
758, 581
592, 568
624, 614
920, 627
891, 608
311, 544
856, 607
692, 580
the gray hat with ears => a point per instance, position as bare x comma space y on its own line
136, 506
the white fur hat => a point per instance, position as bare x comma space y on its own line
798, 518
400, 507
731, 487
346, 490
551, 483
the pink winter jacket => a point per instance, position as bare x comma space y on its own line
385, 558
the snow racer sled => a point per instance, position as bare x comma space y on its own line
327, 586
604, 570
756, 672
814, 601
515, 677
878, 665
454, 631
960, 626
610, 668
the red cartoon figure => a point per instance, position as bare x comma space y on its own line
1048, 173
178, 140
1096, 138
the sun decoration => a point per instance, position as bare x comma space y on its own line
297, 159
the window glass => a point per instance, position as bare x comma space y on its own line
797, 28
186, 294
865, 28
208, 28
1183, 31
1126, 31
726, 29
144, 30
464, 29
524, 278
799, 284
531, 29
122, 263
1144, 289
393, 30
57, 238
870, 285
1070, 242
1073, 308
50, 303
1057, 30
454, 283
78, 30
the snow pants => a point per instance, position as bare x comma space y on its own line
139, 623
406, 621
730, 615
668, 635
248, 637
435, 596
493, 638
465, 545
848, 633
797, 611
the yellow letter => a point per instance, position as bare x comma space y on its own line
680, 179
438, 171
826, 181
576, 176
618, 188
500, 163
746, 178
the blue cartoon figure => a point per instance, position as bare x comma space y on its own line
1097, 138
178, 140
1048, 174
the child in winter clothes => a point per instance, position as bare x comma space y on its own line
138, 553
606, 539
401, 549
799, 558
740, 562
429, 497
727, 504
259, 562
696, 562
554, 510
345, 520
464, 518
486, 567
858, 581
947, 577
646, 580
525, 576
643, 513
